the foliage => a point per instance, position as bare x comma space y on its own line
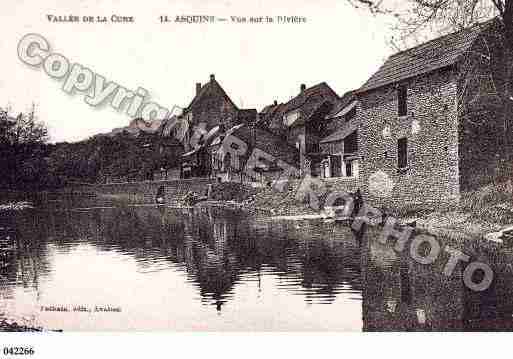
120, 158
28, 162
23, 146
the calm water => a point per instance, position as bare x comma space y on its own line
168, 269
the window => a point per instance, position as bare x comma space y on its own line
349, 169
350, 115
336, 166
290, 118
402, 93
402, 153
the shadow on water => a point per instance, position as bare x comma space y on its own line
402, 295
219, 252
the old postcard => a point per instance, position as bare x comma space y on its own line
298, 166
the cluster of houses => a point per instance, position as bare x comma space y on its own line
427, 126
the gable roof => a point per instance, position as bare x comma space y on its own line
307, 94
342, 133
345, 101
267, 117
435, 54
211, 85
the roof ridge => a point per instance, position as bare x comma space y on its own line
470, 28
426, 57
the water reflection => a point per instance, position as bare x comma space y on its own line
219, 254
174, 269
402, 295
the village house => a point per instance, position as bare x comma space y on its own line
301, 122
253, 137
340, 148
198, 124
429, 122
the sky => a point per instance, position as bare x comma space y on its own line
255, 63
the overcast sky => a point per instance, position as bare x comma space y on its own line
255, 63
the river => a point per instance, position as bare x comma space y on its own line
156, 268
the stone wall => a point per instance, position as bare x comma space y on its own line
145, 192
341, 184
483, 153
431, 129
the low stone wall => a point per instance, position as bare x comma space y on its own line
341, 184
145, 192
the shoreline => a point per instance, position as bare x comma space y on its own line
462, 222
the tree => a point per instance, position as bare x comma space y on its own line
22, 141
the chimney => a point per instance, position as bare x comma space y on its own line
198, 87
303, 87
212, 77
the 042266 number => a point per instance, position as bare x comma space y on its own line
18, 351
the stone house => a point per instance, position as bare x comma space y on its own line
429, 121
254, 136
340, 148
301, 123
210, 108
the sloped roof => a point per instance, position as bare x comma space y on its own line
268, 114
304, 96
205, 89
345, 100
217, 140
432, 55
342, 133
247, 116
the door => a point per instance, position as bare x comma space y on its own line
336, 166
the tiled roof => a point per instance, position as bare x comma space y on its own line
432, 55
308, 101
204, 89
303, 97
247, 116
339, 135
345, 100
269, 114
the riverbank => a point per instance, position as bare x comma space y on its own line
486, 210
478, 214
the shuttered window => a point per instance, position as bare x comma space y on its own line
402, 108
402, 152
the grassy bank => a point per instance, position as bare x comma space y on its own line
487, 209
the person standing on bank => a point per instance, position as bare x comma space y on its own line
159, 198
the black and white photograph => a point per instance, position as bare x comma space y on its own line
252, 167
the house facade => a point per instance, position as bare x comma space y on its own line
426, 127
198, 124
301, 122
254, 137
340, 148
430, 123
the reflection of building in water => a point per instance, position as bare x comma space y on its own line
208, 259
215, 249
492, 309
401, 295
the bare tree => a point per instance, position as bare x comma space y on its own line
415, 19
